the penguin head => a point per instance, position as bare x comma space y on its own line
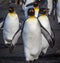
11, 9
31, 12
43, 11
39, 1
35, 4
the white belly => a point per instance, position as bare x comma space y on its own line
10, 27
32, 39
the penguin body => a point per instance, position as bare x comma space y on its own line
11, 26
58, 11
45, 23
50, 6
32, 37
25, 7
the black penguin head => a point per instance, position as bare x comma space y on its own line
43, 11
35, 4
11, 9
31, 12
38, 1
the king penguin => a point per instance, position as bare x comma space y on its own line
11, 27
58, 11
31, 37
45, 23
27, 4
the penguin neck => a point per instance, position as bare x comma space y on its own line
32, 16
43, 15
12, 14
36, 8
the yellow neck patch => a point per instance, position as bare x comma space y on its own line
31, 17
43, 15
12, 14
36, 8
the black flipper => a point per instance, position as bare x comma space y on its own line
49, 38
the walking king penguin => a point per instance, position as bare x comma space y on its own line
58, 11
45, 23
11, 31
31, 37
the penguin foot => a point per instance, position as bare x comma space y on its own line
11, 48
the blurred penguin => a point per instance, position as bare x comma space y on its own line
42, 3
53, 12
26, 5
36, 8
11, 28
58, 11
31, 37
45, 23
50, 6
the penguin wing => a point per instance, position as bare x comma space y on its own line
53, 36
49, 38
1, 23
16, 33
